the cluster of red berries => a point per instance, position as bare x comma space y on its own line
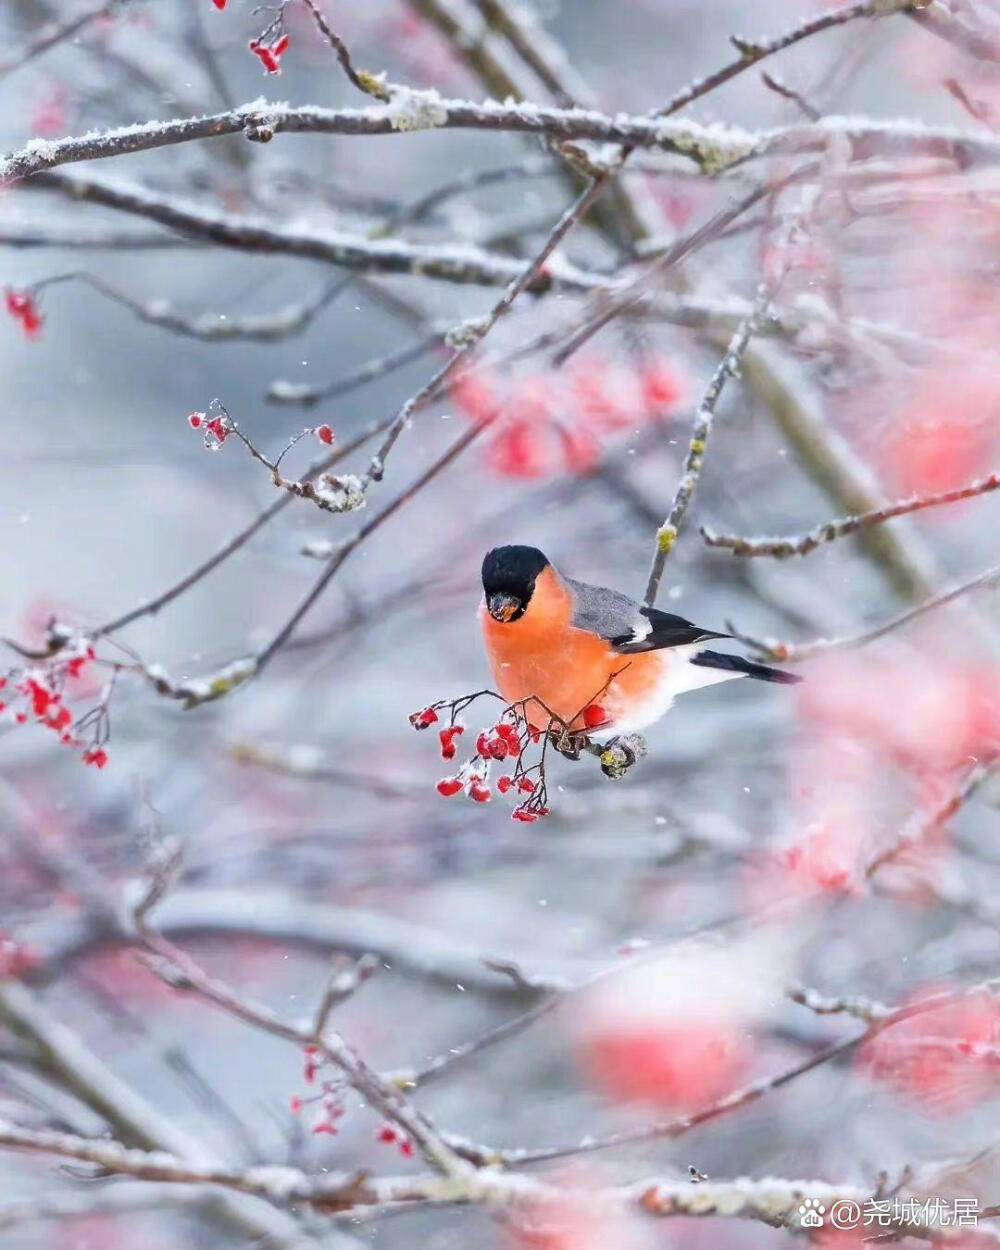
216, 429
271, 53
23, 307
508, 739
38, 695
330, 1097
559, 423
16, 958
389, 1135
334, 1111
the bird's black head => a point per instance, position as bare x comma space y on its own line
509, 575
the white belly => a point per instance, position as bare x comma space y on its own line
677, 676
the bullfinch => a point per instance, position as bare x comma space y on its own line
596, 659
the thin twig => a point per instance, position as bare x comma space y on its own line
713, 149
842, 526
476, 331
727, 368
791, 652
366, 83
924, 824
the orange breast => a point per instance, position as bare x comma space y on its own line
541, 658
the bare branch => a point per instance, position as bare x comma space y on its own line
455, 263
924, 824
752, 51
366, 83
713, 149
842, 526
57, 32
728, 367
212, 327
792, 652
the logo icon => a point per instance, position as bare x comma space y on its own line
811, 1213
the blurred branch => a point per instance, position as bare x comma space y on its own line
467, 337
214, 327
150, 607
875, 1021
181, 972
775, 1201
66, 1059
752, 51
302, 394
791, 652
924, 824
400, 943
842, 526
461, 263
26, 237
944, 22
57, 32
834, 465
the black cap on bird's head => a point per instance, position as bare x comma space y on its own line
509, 575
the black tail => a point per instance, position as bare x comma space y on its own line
737, 664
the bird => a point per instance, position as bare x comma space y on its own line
592, 658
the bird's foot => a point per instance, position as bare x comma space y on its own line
570, 746
620, 754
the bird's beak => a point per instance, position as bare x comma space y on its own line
503, 607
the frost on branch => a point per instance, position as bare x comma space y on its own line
340, 494
415, 110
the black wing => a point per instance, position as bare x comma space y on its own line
664, 630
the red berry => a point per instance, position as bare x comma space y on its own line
386, 1134
219, 4
504, 784
483, 744
280, 47
325, 434
448, 786
661, 387
527, 785
424, 718
406, 1148
40, 697
479, 792
195, 420
519, 813
594, 715
498, 748
295, 1104
447, 737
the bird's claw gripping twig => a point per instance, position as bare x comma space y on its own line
620, 754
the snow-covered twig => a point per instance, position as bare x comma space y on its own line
842, 526
727, 368
712, 148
